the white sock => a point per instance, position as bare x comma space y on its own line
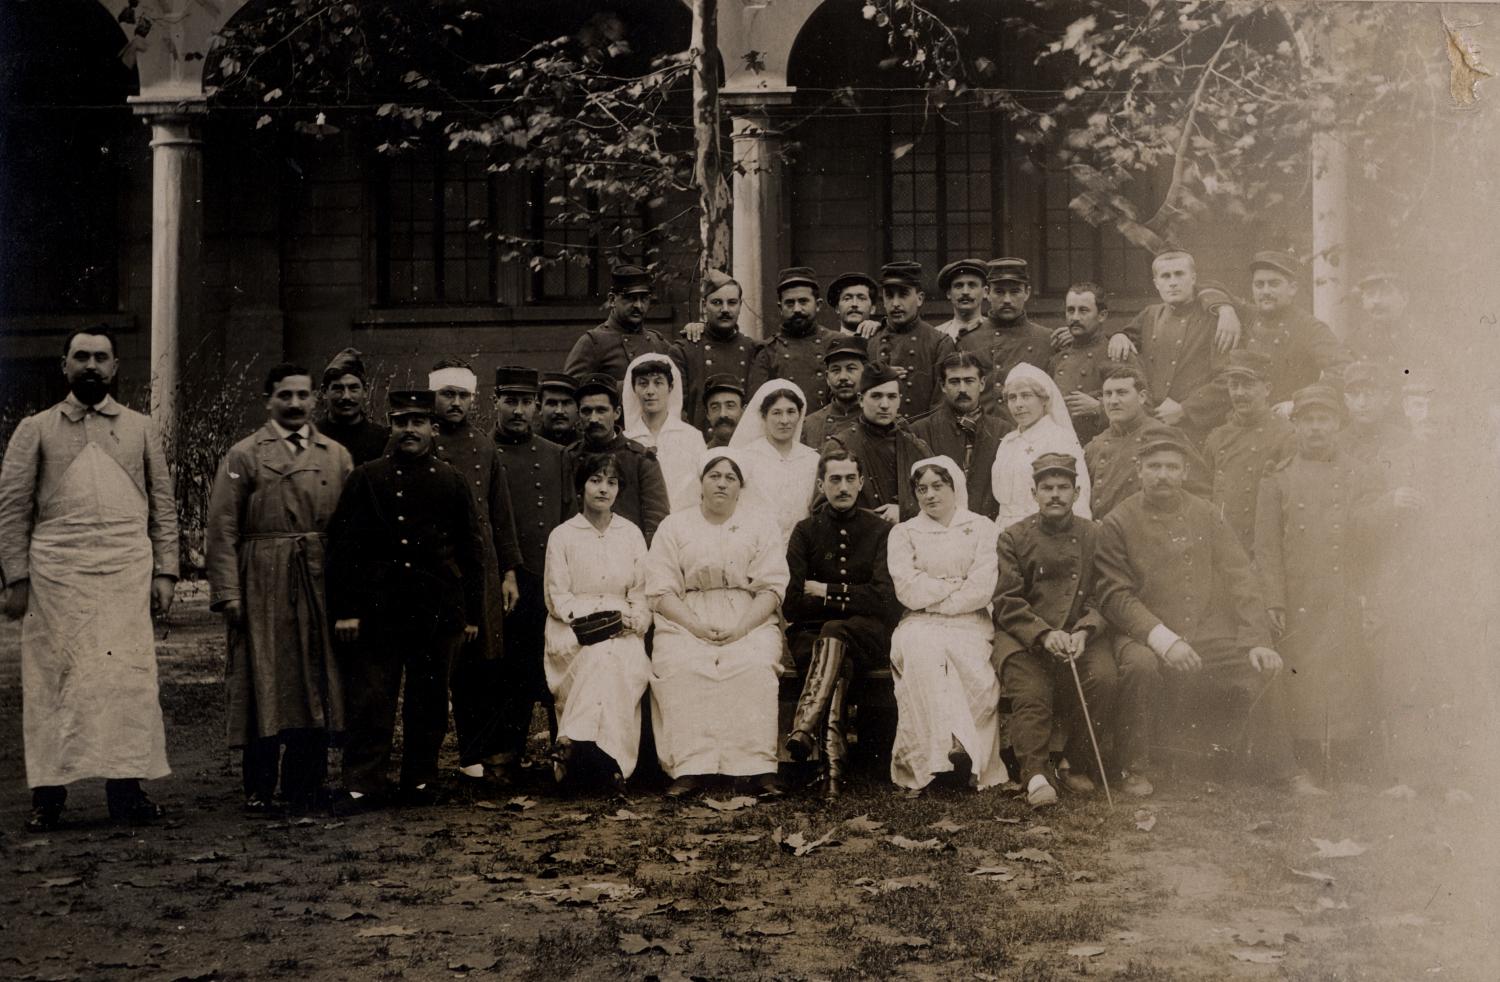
1037, 781
473, 770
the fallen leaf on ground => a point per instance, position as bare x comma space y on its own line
1260, 956
504, 877
1400, 792
1042, 830
624, 815
735, 906
206, 975
1311, 874
864, 823
880, 935
1129, 937
589, 893
772, 929
1261, 827
915, 845
637, 944
914, 882
385, 931
344, 912
729, 881
212, 856
732, 805
246, 881
1084, 876
999, 873
1086, 950
947, 825
472, 963
1008, 821
1144, 820
35, 844
470, 893
1263, 937
799, 845
1337, 850
61, 881
1031, 855
1323, 906
489, 806
699, 813
521, 804
333, 825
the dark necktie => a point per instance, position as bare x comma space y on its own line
296, 440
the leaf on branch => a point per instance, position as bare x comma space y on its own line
271, 95
901, 150
755, 61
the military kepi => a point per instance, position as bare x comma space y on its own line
559, 380
847, 346
515, 378
903, 272
1317, 395
876, 374
1279, 261
1054, 463
1159, 436
723, 382
796, 276
597, 383
629, 279
950, 272
1007, 270
1242, 361
411, 402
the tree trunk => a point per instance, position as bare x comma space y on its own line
708, 166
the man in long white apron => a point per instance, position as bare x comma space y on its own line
88, 547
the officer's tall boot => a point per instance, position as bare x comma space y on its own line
822, 673
835, 741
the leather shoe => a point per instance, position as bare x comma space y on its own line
684, 786
43, 820
1136, 785
138, 810
1041, 795
1078, 782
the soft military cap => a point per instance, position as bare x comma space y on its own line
1317, 395
1279, 261
1054, 463
1159, 436
558, 380
715, 280
847, 346
1245, 362
723, 382
629, 279
1008, 270
597, 383
796, 276
846, 280
949, 272
347, 362
903, 272
876, 374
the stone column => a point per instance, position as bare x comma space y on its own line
756, 248
176, 243
1330, 206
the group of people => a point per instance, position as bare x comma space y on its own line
1077, 549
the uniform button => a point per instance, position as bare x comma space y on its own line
398, 494
408, 565
538, 483
403, 542
400, 518
536, 466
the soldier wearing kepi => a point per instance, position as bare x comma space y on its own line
1079, 369
714, 347
541, 496
845, 361
1375, 429
841, 608
906, 342
272, 498
962, 282
643, 498
852, 297
1175, 579
1007, 337
724, 403
1046, 615
478, 680
884, 445
88, 548
1301, 348
405, 592
1312, 510
1111, 456
961, 430
557, 413
796, 352
345, 418
1240, 452
624, 336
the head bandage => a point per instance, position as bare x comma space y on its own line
457, 378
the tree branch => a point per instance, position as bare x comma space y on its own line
1179, 165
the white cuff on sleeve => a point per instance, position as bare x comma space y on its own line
1161, 639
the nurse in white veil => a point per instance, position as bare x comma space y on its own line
1043, 426
781, 471
652, 402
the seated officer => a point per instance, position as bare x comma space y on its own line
840, 605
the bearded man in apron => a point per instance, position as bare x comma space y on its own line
88, 547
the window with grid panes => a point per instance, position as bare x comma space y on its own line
944, 195
1073, 250
431, 248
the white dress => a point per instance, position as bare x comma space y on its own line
780, 486
946, 688
1010, 475
713, 707
598, 688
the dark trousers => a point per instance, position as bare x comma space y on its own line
1138, 705
866, 640
373, 669
1036, 684
119, 792
1226, 703
524, 678
303, 768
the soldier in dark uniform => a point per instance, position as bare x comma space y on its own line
1007, 337
905, 341
1045, 614
478, 680
405, 582
643, 498
610, 348
724, 403
1302, 349
959, 429
1079, 368
796, 352
1241, 450
1111, 456
557, 414
1312, 510
541, 492
840, 607
344, 418
716, 347
1174, 578
844, 362
852, 299
884, 445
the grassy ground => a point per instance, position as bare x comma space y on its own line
953, 886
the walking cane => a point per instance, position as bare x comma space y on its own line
1089, 723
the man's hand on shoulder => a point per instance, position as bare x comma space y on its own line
1062, 338
692, 331
1120, 347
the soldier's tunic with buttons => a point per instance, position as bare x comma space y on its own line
1309, 515
846, 551
1041, 574
1239, 454
365, 440
796, 357
643, 493
1178, 354
610, 348
885, 454
1110, 458
1081, 367
826, 422
716, 352
971, 443
914, 351
1302, 349
473, 455
1004, 346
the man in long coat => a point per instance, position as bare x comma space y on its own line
613, 345
1006, 336
478, 675
1312, 510
884, 445
714, 347
88, 546
267, 517
643, 498
961, 430
346, 418
541, 494
1243, 448
796, 352
906, 342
